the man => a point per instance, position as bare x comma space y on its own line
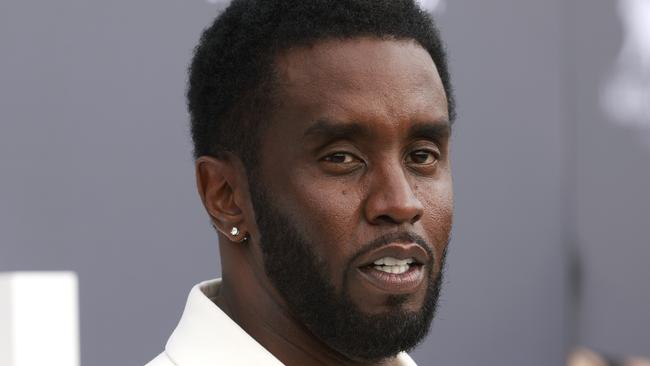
322, 139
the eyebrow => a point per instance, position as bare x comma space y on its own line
330, 130
433, 131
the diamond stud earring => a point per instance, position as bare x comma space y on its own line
234, 231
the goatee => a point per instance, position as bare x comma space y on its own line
301, 278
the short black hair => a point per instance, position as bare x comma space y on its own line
231, 76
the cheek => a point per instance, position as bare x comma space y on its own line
328, 208
438, 217
437, 197
327, 214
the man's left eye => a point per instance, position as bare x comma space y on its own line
422, 157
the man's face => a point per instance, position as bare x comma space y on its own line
353, 195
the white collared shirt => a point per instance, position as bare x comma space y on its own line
206, 336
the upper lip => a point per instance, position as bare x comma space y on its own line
396, 250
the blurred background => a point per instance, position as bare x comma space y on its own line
551, 157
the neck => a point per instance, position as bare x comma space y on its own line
249, 299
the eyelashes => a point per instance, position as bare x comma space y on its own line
342, 162
423, 157
341, 158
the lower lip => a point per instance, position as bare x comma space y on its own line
394, 283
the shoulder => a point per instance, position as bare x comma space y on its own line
161, 360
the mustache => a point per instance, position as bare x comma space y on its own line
396, 237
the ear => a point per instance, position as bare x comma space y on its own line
219, 182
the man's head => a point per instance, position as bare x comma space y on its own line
322, 130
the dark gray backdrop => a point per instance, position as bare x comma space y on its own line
96, 176
612, 191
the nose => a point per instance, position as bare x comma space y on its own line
391, 199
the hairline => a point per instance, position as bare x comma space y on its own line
272, 76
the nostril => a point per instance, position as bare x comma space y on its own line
386, 219
392, 220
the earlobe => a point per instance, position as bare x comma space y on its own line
217, 184
238, 235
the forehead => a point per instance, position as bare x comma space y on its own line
367, 76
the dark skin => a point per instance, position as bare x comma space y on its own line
358, 147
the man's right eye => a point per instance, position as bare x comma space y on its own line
340, 158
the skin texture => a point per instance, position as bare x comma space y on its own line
341, 190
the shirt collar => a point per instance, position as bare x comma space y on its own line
205, 335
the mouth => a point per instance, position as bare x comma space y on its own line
395, 268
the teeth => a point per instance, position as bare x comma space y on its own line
390, 261
393, 265
397, 269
